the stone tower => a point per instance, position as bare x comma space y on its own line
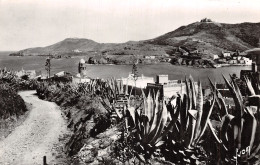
82, 67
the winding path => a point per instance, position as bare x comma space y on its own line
36, 137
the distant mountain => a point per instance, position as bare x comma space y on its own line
205, 37
212, 37
65, 46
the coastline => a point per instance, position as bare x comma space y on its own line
229, 65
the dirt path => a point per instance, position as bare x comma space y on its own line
36, 137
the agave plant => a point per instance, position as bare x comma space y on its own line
176, 130
239, 133
185, 137
148, 125
116, 87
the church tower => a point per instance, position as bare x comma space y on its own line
82, 67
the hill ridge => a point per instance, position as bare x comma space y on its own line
206, 37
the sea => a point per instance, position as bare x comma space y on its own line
106, 71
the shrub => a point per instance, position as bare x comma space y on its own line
102, 123
11, 104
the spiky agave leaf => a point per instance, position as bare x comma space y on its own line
250, 126
149, 105
157, 117
224, 128
241, 108
193, 115
204, 123
161, 125
193, 93
236, 97
219, 99
189, 96
182, 105
174, 118
213, 132
256, 147
150, 130
249, 86
199, 108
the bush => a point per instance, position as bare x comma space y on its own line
11, 104
102, 123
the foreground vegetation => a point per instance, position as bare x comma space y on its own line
12, 106
189, 128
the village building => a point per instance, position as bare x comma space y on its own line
247, 61
140, 82
226, 54
62, 74
255, 67
232, 61
172, 87
239, 57
241, 61
168, 88
214, 57
76, 51
149, 57
78, 79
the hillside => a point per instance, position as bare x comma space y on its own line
212, 37
67, 45
205, 37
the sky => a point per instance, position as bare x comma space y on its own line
38, 23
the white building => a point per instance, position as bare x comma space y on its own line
76, 51
149, 57
60, 74
214, 56
172, 87
162, 79
141, 82
247, 61
232, 61
79, 79
226, 54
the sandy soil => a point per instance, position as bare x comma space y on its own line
36, 137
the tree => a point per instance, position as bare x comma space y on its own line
135, 74
48, 66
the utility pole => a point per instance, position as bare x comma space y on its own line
48, 66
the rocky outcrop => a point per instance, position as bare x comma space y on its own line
99, 150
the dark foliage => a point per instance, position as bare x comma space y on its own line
102, 123
11, 104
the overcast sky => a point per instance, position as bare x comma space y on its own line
32, 23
